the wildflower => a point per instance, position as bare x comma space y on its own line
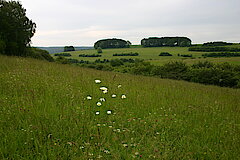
97, 81
109, 112
102, 99
136, 153
114, 96
99, 103
105, 91
98, 112
99, 156
125, 145
106, 151
89, 97
103, 88
119, 86
123, 96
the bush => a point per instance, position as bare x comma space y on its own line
69, 48
39, 54
174, 70
126, 54
214, 49
116, 62
222, 54
165, 54
63, 54
90, 55
185, 55
214, 76
2, 47
216, 43
99, 50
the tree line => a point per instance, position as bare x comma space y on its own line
16, 31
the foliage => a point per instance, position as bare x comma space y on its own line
92, 55
63, 54
220, 43
126, 54
214, 49
39, 54
99, 50
111, 43
16, 30
45, 114
116, 62
165, 54
221, 54
69, 48
185, 55
166, 41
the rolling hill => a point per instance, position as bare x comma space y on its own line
52, 111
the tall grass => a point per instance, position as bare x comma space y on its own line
45, 114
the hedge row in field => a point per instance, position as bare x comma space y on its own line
63, 54
222, 54
126, 54
214, 49
90, 55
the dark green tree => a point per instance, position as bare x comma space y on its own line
16, 30
69, 48
99, 50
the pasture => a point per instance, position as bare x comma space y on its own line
152, 55
46, 113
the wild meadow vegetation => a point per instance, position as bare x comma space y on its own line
55, 111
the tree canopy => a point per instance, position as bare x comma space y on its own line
112, 43
69, 48
166, 41
16, 29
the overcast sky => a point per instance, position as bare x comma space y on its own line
83, 22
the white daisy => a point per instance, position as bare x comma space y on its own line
109, 112
105, 91
114, 96
119, 86
97, 81
98, 112
103, 88
123, 96
99, 103
89, 97
102, 99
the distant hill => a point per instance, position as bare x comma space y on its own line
52, 50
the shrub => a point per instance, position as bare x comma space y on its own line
222, 54
63, 54
90, 55
99, 50
165, 54
38, 54
116, 62
69, 48
214, 49
185, 55
126, 54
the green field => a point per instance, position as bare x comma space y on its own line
45, 114
151, 55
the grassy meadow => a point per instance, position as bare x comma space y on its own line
50, 111
151, 54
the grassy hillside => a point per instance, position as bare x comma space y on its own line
45, 114
151, 55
